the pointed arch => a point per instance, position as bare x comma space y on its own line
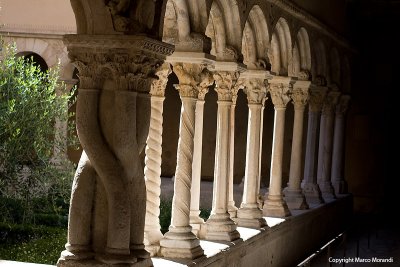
321, 68
334, 66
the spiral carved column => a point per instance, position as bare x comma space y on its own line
179, 241
152, 170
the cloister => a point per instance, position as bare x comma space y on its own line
263, 89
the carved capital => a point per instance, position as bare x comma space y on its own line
226, 82
330, 102
300, 93
280, 89
158, 85
194, 79
343, 105
316, 99
255, 90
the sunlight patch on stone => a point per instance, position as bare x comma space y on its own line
212, 248
246, 233
271, 221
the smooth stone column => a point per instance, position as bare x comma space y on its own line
179, 241
310, 186
280, 90
249, 213
152, 170
220, 226
294, 196
232, 209
337, 173
325, 146
195, 221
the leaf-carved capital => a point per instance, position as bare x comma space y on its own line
343, 105
194, 79
158, 85
225, 82
280, 94
316, 99
255, 90
330, 102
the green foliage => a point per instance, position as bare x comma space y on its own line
26, 243
32, 135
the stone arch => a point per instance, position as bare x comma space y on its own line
36, 59
304, 49
334, 66
176, 24
321, 68
281, 46
255, 40
224, 29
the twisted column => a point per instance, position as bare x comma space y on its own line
152, 169
325, 146
293, 193
179, 241
280, 90
249, 213
309, 185
220, 226
337, 174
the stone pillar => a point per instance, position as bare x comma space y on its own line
152, 170
108, 201
179, 241
280, 89
337, 174
325, 146
195, 221
220, 226
250, 214
310, 186
232, 209
293, 194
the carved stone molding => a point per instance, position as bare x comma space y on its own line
343, 105
316, 98
225, 84
194, 79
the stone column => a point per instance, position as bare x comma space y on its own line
195, 221
179, 241
325, 146
249, 213
337, 174
152, 170
310, 186
280, 89
293, 194
232, 209
220, 226
108, 201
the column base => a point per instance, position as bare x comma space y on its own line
232, 210
181, 245
220, 227
69, 259
327, 191
196, 222
340, 186
312, 193
152, 241
250, 217
295, 199
275, 206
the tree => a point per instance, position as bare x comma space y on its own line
29, 109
